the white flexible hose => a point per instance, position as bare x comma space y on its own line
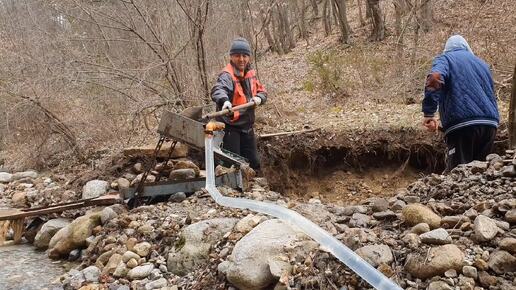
334, 246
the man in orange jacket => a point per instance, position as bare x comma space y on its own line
236, 85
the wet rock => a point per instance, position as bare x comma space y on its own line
376, 254
485, 228
177, 197
157, 284
502, 262
94, 188
439, 285
439, 260
420, 228
510, 216
73, 236
248, 265
195, 244
5, 177
19, 199
436, 237
508, 244
418, 213
48, 230
182, 174
140, 272
359, 220
91, 274
142, 249
187, 165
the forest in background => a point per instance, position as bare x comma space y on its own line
82, 76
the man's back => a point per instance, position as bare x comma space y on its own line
468, 91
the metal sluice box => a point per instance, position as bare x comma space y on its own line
182, 128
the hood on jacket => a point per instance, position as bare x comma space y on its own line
456, 42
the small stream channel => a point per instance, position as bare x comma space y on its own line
24, 268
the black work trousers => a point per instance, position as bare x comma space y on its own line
468, 144
242, 143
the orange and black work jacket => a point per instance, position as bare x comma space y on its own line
239, 88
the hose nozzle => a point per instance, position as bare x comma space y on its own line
213, 126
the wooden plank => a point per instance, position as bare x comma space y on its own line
12, 214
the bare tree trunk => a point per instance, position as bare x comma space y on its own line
327, 17
400, 8
276, 23
426, 15
315, 7
345, 32
301, 21
359, 3
266, 20
416, 34
286, 33
368, 10
245, 27
378, 32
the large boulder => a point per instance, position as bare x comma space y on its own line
73, 236
94, 188
195, 244
48, 230
417, 213
254, 264
439, 260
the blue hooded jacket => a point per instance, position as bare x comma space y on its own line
466, 96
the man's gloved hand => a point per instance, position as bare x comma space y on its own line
430, 123
257, 100
227, 105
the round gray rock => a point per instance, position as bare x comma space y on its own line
94, 188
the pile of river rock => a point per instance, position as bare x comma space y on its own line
454, 231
